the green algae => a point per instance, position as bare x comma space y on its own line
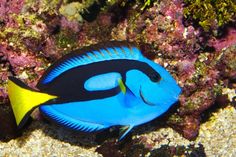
229, 57
218, 88
74, 10
201, 70
43, 6
65, 40
147, 3
210, 14
175, 119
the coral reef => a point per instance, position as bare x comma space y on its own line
33, 34
169, 151
137, 148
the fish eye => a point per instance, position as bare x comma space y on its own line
155, 77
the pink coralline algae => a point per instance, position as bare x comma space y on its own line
161, 27
23, 64
224, 42
9, 7
71, 25
16, 60
186, 68
174, 11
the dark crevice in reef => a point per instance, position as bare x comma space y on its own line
8, 128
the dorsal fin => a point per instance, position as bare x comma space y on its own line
95, 53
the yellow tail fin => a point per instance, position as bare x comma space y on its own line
24, 100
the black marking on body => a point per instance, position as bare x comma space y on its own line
84, 51
69, 86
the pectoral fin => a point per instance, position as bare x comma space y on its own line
122, 86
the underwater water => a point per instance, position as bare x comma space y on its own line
194, 43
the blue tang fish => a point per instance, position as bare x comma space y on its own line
97, 87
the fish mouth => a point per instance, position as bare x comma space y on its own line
144, 99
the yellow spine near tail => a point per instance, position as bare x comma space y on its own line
23, 100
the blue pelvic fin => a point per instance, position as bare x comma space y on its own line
75, 124
96, 53
125, 130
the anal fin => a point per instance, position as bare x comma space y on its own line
69, 122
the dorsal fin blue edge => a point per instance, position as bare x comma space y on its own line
71, 123
94, 53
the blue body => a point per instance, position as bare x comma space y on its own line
93, 115
143, 101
